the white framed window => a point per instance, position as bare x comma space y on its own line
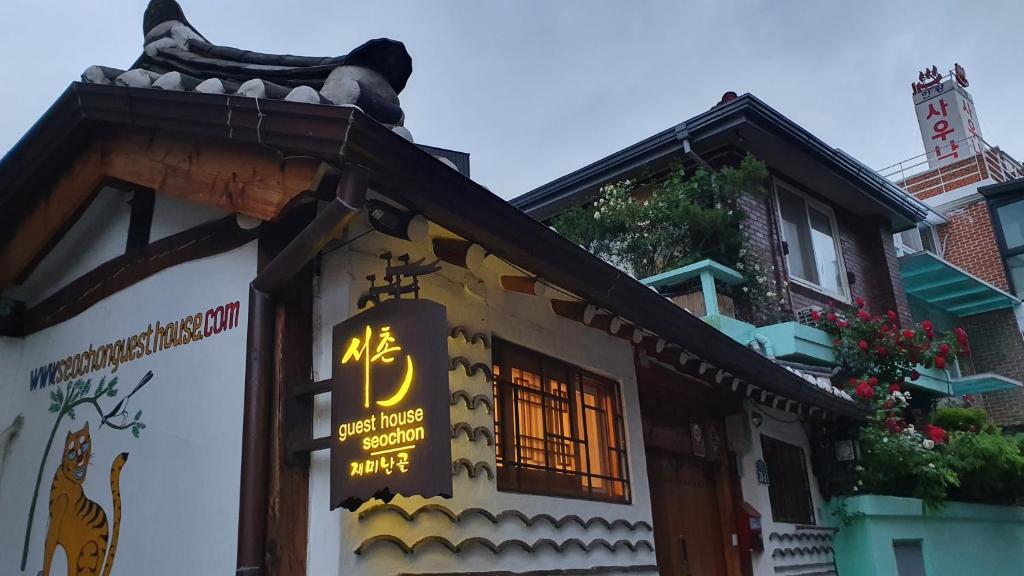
814, 257
921, 238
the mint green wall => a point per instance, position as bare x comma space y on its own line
962, 539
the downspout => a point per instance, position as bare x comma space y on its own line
329, 223
689, 151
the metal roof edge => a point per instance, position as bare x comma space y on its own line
888, 194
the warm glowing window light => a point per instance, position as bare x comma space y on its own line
559, 428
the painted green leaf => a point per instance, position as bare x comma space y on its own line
138, 415
135, 431
71, 413
55, 407
112, 391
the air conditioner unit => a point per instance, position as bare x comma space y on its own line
803, 315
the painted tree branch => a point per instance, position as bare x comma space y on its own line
63, 402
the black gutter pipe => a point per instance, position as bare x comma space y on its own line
328, 224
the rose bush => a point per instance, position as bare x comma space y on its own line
877, 357
957, 454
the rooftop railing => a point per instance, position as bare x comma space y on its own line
986, 161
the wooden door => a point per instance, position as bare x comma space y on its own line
687, 519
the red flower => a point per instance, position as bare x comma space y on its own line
865, 391
815, 316
881, 351
927, 325
873, 381
894, 425
961, 336
940, 362
837, 342
914, 375
852, 382
831, 317
943, 349
934, 433
908, 334
889, 404
860, 302
884, 329
843, 324
863, 315
863, 345
891, 315
894, 388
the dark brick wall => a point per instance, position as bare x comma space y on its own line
970, 243
997, 346
868, 253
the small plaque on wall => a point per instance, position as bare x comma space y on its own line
697, 441
762, 472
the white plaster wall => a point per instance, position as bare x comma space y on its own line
525, 320
99, 235
786, 427
172, 215
179, 487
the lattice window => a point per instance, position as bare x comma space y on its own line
559, 429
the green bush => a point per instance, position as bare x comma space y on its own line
954, 418
990, 467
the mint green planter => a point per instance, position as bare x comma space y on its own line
799, 342
961, 540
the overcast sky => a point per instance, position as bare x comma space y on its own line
534, 89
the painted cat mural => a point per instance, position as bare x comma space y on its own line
78, 524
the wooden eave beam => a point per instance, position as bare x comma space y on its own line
235, 177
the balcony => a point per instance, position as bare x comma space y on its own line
926, 277
790, 341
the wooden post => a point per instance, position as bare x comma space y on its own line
707, 286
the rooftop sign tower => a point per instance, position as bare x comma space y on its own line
946, 116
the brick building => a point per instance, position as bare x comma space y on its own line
824, 234
966, 190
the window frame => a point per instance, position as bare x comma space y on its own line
1005, 253
512, 474
922, 229
844, 295
775, 497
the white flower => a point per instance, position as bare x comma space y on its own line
927, 444
860, 482
856, 489
745, 289
770, 294
597, 215
885, 440
930, 465
858, 468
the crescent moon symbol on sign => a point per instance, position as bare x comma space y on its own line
403, 389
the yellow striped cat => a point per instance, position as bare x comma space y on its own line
78, 524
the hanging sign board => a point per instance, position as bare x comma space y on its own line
389, 404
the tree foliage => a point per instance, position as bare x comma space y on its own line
650, 227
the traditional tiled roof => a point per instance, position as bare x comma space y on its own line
177, 57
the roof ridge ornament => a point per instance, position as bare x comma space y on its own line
369, 77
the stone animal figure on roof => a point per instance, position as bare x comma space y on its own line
177, 57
